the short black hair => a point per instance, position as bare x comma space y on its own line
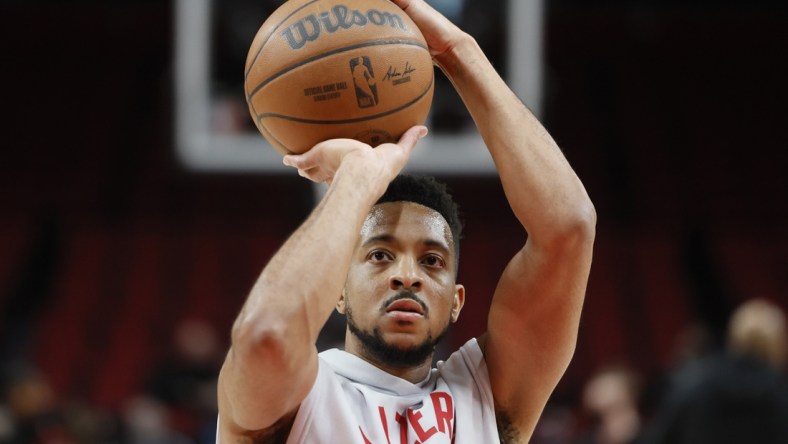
429, 192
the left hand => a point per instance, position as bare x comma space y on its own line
320, 164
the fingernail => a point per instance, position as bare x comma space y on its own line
286, 161
423, 132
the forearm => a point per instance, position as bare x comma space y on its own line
273, 338
543, 190
300, 285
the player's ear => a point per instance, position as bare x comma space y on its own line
341, 302
458, 302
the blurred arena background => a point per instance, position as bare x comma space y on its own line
121, 269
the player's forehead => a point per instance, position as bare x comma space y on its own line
405, 221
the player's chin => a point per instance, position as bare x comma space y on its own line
412, 325
405, 340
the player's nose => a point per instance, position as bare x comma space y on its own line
405, 275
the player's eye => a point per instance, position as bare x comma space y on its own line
433, 260
379, 256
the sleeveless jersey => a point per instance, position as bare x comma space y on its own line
352, 401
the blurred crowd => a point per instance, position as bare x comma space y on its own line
734, 394
177, 405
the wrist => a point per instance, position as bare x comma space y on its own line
464, 53
363, 175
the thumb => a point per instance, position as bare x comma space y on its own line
301, 161
412, 136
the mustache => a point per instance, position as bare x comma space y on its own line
405, 294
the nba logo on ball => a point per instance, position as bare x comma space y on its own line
364, 81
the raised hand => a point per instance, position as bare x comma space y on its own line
321, 163
441, 34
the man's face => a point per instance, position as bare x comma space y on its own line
400, 294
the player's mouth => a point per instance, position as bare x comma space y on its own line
405, 310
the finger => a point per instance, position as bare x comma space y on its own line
440, 33
403, 4
418, 10
290, 160
412, 136
300, 161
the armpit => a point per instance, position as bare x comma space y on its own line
276, 434
507, 432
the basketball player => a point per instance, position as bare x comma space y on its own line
390, 267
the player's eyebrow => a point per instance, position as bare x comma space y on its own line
440, 245
380, 238
388, 239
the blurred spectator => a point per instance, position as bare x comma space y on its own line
6, 424
611, 396
556, 425
185, 382
87, 425
32, 415
145, 421
757, 330
737, 397
693, 343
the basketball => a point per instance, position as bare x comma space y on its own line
325, 69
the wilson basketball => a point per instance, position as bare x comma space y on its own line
324, 69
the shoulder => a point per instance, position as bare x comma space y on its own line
507, 431
467, 362
467, 379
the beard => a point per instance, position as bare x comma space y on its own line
377, 347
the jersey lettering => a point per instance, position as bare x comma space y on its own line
421, 425
414, 417
444, 415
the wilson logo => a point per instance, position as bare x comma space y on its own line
309, 28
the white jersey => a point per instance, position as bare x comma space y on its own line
352, 401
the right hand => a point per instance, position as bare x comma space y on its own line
321, 163
441, 34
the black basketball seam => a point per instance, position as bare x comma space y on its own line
251, 65
330, 53
259, 50
271, 137
260, 117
